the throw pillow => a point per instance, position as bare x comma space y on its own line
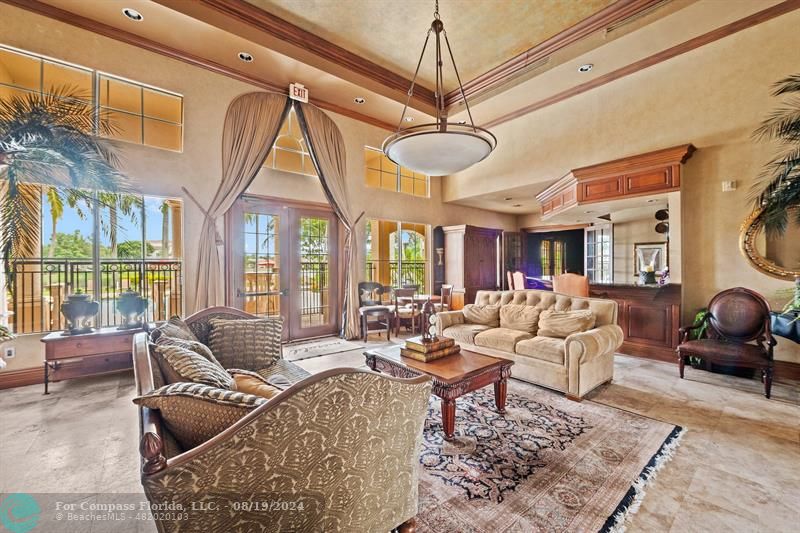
196, 346
485, 315
252, 383
244, 342
561, 324
519, 317
194, 413
193, 367
174, 327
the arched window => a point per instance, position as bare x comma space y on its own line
290, 153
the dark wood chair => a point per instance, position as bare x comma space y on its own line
447, 295
371, 305
737, 334
405, 310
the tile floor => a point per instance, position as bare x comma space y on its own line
738, 468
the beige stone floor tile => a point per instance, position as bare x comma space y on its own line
697, 516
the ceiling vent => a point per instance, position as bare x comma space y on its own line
633, 18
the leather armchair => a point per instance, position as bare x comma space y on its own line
737, 333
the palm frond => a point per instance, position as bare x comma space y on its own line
19, 223
790, 84
776, 191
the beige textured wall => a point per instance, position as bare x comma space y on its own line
714, 97
206, 97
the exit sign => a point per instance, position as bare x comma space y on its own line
298, 92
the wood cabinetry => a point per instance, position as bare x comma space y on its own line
650, 173
471, 258
649, 318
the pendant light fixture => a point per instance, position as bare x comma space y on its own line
440, 148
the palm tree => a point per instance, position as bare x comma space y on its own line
778, 188
48, 139
164, 229
127, 204
56, 203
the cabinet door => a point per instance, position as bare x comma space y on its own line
649, 180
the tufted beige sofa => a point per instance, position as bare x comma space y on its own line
575, 365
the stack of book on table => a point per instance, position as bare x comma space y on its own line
427, 351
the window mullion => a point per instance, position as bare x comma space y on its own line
96, 281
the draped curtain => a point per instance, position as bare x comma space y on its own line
328, 152
252, 123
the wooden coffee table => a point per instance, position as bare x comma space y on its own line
453, 376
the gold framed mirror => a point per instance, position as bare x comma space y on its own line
778, 257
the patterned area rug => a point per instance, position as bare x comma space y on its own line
548, 464
316, 348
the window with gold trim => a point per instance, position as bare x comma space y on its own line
382, 173
22, 73
290, 152
141, 114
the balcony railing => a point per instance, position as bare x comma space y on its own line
42, 284
397, 273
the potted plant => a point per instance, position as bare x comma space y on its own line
49, 139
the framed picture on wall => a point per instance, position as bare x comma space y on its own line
650, 253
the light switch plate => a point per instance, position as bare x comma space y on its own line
728, 186
9, 352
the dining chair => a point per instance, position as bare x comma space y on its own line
571, 284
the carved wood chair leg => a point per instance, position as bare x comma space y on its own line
767, 382
409, 526
364, 327
681, 364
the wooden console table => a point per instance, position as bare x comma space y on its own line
99, 352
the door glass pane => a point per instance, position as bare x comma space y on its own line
262, 284
314, 272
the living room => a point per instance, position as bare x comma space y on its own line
258, 164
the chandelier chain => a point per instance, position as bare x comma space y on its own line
414, 80
458, 78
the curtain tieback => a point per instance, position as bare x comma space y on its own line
217, 237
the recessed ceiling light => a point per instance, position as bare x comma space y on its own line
517, 205
409, 119
461, 122
588, 212
586, 67
246, 57
507, 198
132, 14
360, 100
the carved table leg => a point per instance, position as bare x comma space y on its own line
680, 364
449, 418
500, 395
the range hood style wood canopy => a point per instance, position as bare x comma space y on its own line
639, 175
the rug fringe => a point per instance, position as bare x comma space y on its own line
633, 500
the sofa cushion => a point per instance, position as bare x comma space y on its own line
486, 315
194, 413
562, 324
464, 332
501, 338
236, 343
174, 327
545, 348
520, 317
252, 383
183, 364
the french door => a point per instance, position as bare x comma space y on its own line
283, 262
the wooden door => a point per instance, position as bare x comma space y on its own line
282, 261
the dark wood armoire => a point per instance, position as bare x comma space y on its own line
472, 257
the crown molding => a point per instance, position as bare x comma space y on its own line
729, 29
253, 23
502, 73
111, 32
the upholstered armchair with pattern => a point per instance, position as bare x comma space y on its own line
337, 451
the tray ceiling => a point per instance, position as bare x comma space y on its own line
482, 33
